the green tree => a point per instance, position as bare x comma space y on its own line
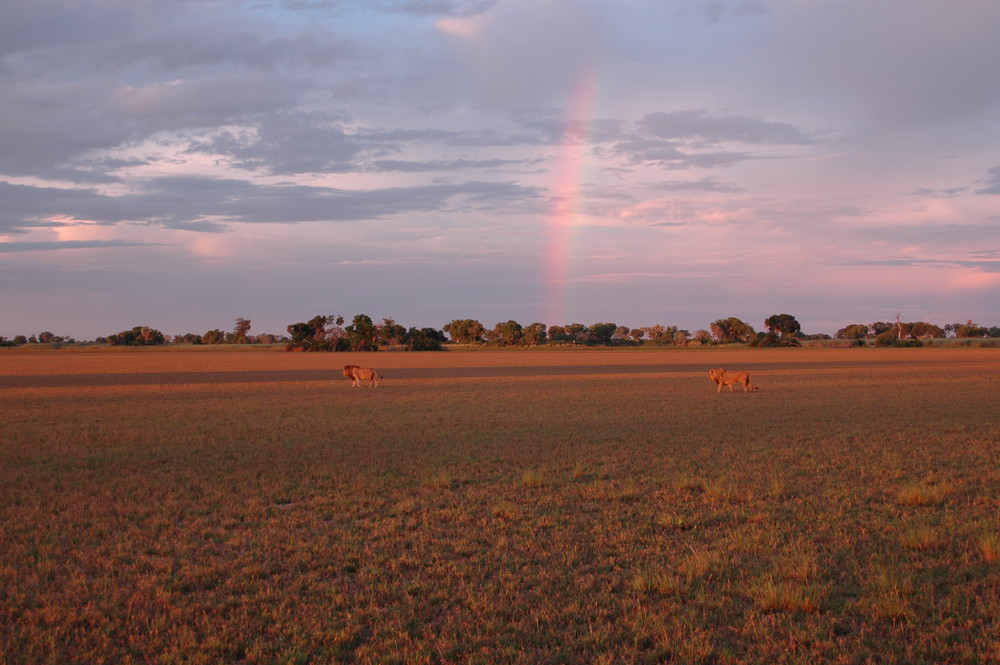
853, 331
137, 336
559, 334
732, 329
970, 329
320, 333
362, 334
924, 330
578, 333
240, 330
602, 334
465, 331
783, 325
424, 339
508, 334
534, 334
215, 336
390, 333
880, 327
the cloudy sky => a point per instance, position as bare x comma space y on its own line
182, 163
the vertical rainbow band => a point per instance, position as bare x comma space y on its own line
566, 202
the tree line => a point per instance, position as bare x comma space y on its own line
329, 333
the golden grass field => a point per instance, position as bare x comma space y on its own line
527, 506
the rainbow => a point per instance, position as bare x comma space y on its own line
565, 208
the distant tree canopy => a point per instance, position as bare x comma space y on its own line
782, 330
325, 333
362, 335
465, 331
899, 333
732, 330
138, 336
328, 333
320, 333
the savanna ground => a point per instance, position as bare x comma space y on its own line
500, 507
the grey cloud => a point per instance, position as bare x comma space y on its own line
47, 126
437, 7
891, 69
668, 156
983, 265
702, 185
410, 7
718, 11
26, 207
34, 28
992, 182
190, 203
175, 51
44, 246
698, 125
441, 165
945, 193
289, 143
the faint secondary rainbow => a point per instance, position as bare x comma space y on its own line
566, 199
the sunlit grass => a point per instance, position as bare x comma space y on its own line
252, 508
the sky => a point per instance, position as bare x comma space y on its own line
180, 164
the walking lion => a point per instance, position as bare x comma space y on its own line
721, 377
359, 374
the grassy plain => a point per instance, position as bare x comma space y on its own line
500, 507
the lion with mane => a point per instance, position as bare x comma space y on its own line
359, 374
721, 377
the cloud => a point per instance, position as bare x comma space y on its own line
191, 203
698, 126
430, 143
701, 185
197, 50
43, 246
991, 181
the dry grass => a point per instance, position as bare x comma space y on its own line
507, 507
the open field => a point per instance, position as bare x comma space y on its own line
500, 507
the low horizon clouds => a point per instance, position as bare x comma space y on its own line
181, 165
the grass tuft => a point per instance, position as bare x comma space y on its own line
786, 596
922, 538
675, 522
923, 494
988, 546
533, 478
656, 582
